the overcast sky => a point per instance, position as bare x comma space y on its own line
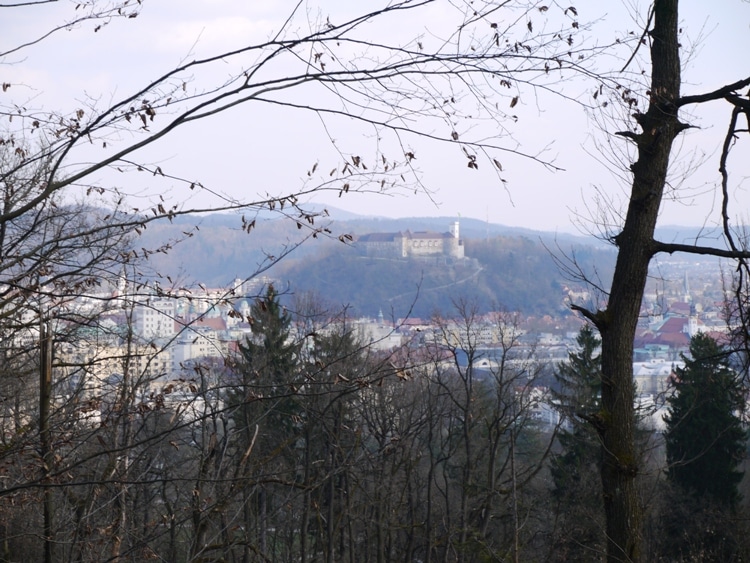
259, 150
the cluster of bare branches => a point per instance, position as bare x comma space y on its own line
96, 423
65, 233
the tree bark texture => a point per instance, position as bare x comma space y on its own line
617, 323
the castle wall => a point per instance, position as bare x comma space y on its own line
408, 244
426, 246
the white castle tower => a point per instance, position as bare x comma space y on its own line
454, 230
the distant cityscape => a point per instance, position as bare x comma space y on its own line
167, 336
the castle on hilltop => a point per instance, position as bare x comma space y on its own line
419, 244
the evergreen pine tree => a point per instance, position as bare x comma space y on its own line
705, 437
575, 468
577, 398
268, 366
266, 416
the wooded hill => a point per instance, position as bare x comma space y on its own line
505, 268
502, 273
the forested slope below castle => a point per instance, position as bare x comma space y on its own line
505, 268
508, 273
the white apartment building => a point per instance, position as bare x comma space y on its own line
195, 343
155, 318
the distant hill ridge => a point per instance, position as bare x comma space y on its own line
509, 267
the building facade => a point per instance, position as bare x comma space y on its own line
413, 244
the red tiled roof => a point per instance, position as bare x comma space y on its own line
411, 322
680, 308
390, 237
214, 323
428, 235
673, 325
675, 340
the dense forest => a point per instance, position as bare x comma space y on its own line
309, 446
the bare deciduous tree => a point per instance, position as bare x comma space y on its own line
654, 135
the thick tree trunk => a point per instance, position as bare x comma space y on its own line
617, 324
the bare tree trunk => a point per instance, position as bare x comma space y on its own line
514, 492
330, 515
617, 323
263, 520
349, 528
305, 500
45, 396
428, 508
468, 469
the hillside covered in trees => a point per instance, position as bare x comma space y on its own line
504, 268
506, 273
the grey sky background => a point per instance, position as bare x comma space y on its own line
257, 150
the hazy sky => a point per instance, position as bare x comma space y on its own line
254, 150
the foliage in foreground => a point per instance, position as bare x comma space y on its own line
705, 435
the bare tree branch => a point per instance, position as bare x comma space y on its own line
719, 94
